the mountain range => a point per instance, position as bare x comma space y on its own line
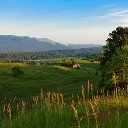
11, 43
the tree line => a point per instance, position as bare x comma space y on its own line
76, 53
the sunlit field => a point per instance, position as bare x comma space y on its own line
48, 77
55, 96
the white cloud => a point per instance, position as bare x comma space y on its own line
113, 16
119, 13
111, 5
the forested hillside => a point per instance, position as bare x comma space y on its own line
11, 43
77, 53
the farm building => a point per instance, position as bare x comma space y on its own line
76, 65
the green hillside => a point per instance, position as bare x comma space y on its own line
48, 77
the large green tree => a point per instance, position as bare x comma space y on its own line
118, 65
115, 58
117, 39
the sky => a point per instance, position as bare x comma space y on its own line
64, 21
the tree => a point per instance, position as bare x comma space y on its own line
115, 59
117, 39
118, 65
73, 61
17, 71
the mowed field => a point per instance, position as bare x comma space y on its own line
51, 78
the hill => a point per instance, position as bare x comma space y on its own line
11, 43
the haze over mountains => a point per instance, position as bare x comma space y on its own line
11, 43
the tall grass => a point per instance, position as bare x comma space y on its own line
52, 110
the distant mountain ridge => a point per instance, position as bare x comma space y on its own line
76, 46
11, 43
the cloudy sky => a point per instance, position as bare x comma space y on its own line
64, 21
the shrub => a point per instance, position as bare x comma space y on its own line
32, 62
91, 60
17, 71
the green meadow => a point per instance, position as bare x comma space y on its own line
55, 96
51, 78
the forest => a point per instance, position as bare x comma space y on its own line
76, 53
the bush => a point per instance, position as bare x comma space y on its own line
32, 62
17, 71
91, 60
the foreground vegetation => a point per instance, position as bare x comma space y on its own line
51, 111
50, 96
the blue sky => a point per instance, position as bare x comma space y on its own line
64, 21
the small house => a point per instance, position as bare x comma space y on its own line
76, 65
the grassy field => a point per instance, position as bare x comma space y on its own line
54, 96
51, 78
